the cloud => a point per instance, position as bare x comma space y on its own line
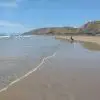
10, 27
4, 23
10, 3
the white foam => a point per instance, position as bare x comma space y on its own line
4, 37
27, 74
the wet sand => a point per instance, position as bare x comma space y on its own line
94, 39
19, 55
61, 77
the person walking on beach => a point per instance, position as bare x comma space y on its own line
72, 38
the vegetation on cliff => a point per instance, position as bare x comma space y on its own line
90, 28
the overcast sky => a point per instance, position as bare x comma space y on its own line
24, 15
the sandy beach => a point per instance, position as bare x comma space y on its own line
60, 77
50, 50
94, 39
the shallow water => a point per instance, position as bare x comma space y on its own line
18, 55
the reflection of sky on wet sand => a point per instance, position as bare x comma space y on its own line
18, 55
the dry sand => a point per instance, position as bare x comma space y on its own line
94, 39
59, 78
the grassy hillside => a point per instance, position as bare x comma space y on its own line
90, 28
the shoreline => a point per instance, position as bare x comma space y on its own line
58, 79
28, 73
67, 75
93, 39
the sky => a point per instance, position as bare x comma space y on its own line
18, 16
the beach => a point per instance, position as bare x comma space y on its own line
69, 72
94, 39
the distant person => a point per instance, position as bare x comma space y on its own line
72, 38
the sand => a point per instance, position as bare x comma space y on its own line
59, 78
94, 39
